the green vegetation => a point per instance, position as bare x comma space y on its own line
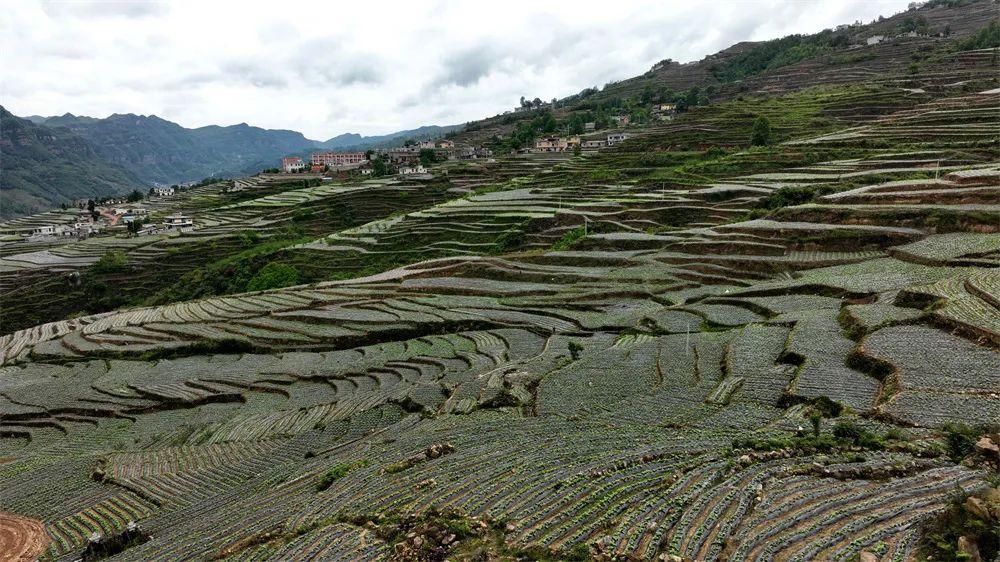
970, 519
236, 273
113, 261
776, 53
986, 38
336, 473
569, 239
760, 134
274, 275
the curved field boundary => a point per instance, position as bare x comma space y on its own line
21, 539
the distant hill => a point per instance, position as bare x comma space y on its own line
349, 141
43, 166
160, 151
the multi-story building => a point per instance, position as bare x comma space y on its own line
550, 144
339, 160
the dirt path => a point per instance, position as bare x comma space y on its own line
21, 539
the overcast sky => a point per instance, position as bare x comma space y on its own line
326, 68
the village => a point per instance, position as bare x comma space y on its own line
416, 157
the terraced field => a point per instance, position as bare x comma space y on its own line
615, 355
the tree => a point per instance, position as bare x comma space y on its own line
760, 134
379, 167
91, 205
815, 418
134, 197
273, 276
427, 157
112, 261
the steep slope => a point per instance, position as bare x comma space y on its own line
42, 167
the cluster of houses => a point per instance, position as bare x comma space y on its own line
406, 159
111, 217
563, 144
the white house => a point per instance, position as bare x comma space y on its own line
412, 169
163, 191
875, 39
178, 221
615, 138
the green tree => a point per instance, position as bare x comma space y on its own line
273, 276
380, 168
815, 418
427, 157
760, 134
111, 262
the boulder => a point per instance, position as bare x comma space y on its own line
970, 549
989, 447
868, 557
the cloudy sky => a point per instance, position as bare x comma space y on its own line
371, 67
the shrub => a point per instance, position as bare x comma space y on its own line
575, 349
112, 261
247, 237
847, 430
569, 239
330, 476
961, 440
274, 275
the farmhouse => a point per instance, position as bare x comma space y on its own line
615, 138
594, 144
556, 144
177, 221
163, 191
292, 164
404, 155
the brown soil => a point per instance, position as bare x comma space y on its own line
21, 539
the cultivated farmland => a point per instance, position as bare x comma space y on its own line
650, 351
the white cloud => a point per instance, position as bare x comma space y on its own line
325, 68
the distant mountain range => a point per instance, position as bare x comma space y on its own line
41, 167
53, 160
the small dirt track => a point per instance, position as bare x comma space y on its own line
21, 539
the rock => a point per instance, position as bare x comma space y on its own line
969, 548
977, 507
868, 557
988, 448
